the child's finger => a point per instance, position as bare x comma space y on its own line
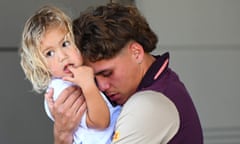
68, 79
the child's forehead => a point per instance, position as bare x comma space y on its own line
54, 28
54, 36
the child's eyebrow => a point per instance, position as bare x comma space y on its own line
66, 36
44, 50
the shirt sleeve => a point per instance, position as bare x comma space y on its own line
58, 85
147, 117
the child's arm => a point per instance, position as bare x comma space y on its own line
98, 115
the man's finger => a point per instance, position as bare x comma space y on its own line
49, 98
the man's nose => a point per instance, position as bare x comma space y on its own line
102, 83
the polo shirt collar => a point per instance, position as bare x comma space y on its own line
155, 71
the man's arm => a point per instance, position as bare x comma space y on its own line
67, 112
147, 117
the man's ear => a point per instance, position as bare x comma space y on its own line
137, 51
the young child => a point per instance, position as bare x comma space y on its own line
49, 57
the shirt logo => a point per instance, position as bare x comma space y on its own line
116, 136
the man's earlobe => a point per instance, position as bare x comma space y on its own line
137, 52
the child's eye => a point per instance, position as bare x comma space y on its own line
49, 53
66, 43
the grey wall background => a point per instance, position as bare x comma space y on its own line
202, 36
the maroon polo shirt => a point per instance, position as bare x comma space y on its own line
162, 79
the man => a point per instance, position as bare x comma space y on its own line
116, 42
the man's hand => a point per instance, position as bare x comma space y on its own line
67, 112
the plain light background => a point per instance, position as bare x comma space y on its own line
203, 38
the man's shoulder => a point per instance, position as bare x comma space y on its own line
150, 100
149, 113
154, 97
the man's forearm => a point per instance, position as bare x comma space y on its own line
61, 137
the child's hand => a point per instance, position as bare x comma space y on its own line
83, 76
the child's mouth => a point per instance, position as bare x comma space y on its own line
66, 68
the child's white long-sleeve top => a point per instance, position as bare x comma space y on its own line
83, 134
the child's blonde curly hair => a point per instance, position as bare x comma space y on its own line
32, 60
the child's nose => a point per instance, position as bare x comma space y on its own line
62, 56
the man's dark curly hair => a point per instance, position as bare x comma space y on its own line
102, 32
